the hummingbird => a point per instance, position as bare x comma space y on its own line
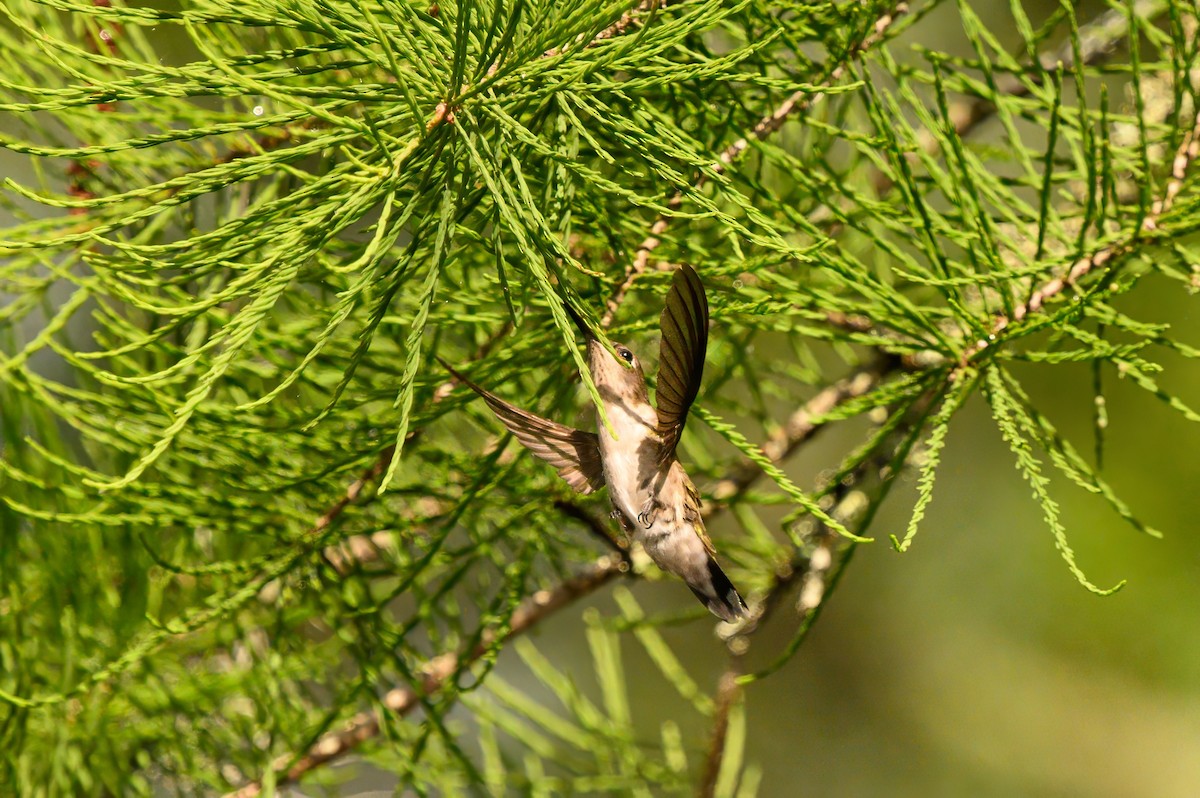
650, 491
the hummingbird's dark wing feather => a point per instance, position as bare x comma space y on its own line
684, 344
575, 454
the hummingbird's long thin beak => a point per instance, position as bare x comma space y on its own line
575, 317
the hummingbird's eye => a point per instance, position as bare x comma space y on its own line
626, 355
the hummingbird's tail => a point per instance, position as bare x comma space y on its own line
719, 594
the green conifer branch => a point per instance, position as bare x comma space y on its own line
246, 300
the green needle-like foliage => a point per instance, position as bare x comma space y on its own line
240, 499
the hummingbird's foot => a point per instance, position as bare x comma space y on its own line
648, 513
626, 528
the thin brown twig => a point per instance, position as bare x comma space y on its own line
343, 551
798, 102
595, 526
1097, 41
627, 21
812, 569
434, 674
1187, 153
728, 694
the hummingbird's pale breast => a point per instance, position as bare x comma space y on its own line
630, 458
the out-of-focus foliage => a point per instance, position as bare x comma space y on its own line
240, 501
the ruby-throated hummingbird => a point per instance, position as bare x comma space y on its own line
646, 482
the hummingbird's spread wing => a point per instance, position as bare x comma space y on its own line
684, 343
575, 454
